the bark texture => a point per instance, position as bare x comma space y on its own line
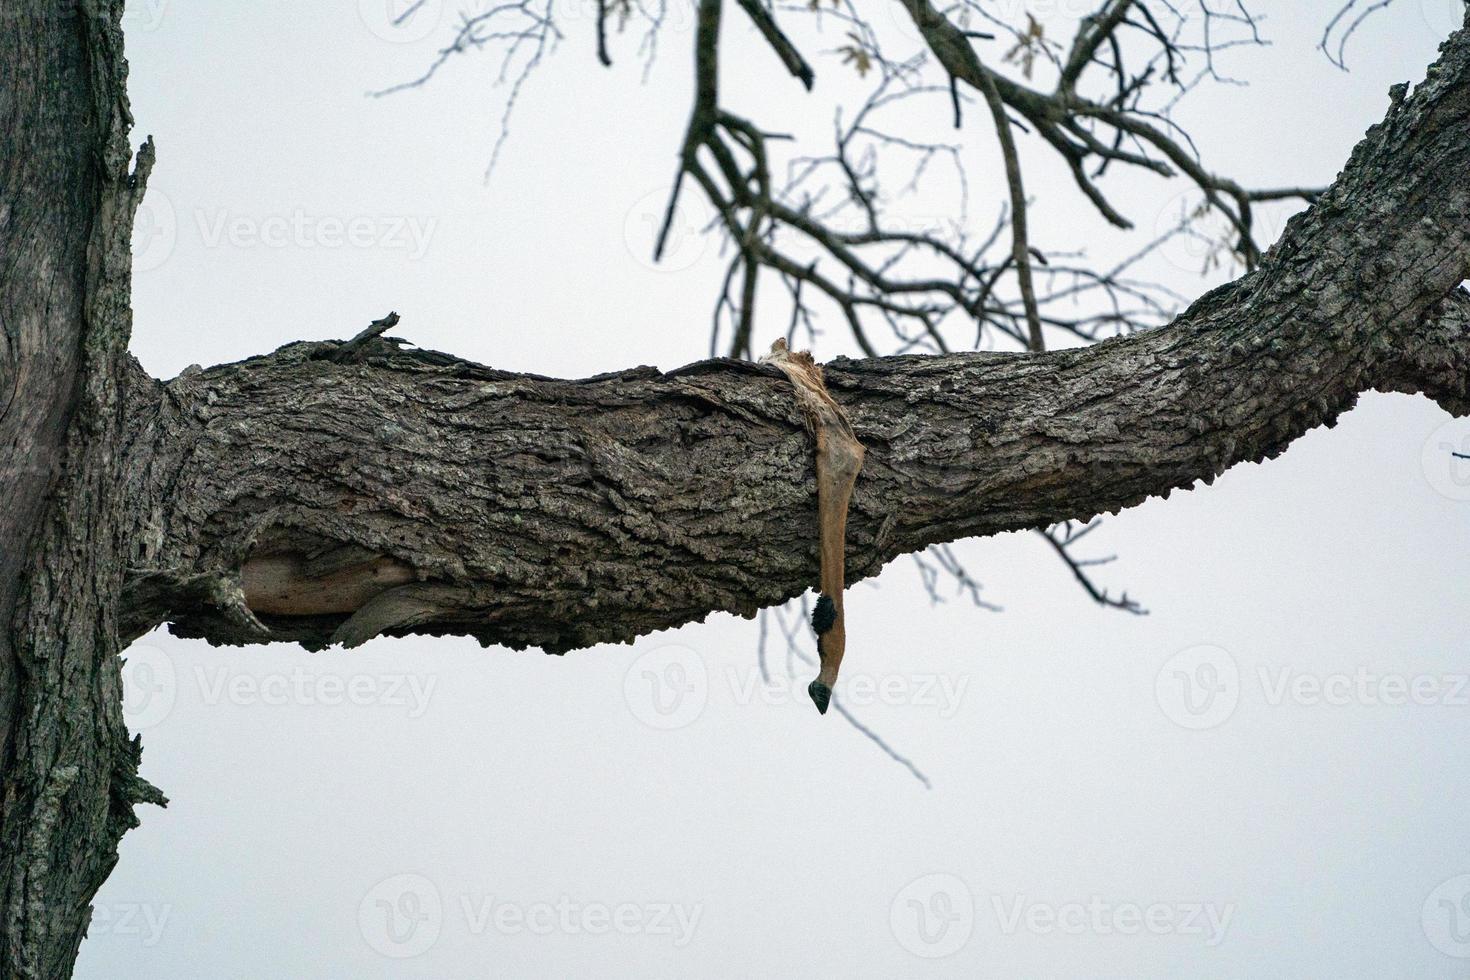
67, 197
329, 493
321, 498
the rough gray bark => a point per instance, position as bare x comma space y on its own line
327, 494
69, 769
446, 497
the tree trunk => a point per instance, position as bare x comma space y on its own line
329, 493
69, 769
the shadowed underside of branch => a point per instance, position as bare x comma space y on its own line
313, 497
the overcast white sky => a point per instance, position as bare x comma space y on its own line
1264, 777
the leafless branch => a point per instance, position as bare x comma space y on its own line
1063, 538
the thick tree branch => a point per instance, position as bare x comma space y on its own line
438, 496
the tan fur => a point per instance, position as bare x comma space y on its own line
839, 458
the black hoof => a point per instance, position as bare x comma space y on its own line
821, 695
